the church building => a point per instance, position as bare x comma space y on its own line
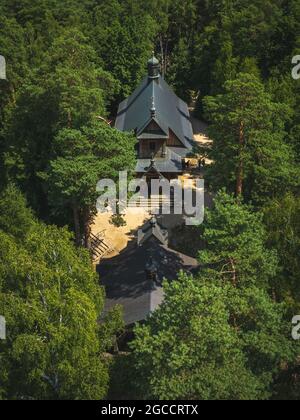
134, 278
161, 122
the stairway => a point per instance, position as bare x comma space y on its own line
99, 246
155, 202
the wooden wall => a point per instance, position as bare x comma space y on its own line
173, 140
144, 148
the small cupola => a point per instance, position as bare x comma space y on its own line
153, 68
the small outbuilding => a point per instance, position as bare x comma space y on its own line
134, 278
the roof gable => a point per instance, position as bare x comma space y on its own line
170, 112
153, 230
154, 128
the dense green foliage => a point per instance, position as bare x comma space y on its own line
283, 225
64, 78
250, 153
235, 248
51, 300
210, 341
82, 158
218, 335
224, 333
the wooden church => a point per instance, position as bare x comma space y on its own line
161, 122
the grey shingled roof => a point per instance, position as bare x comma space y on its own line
125, 281
171, 112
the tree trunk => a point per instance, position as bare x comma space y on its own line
240, 171
87, 229
164, 44
162, 56
77, 225
69, 119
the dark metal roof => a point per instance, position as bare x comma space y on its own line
152, 136
172, 163
164, 128
125, 280
180, 151
153, 228
170, 111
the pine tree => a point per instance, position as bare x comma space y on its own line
218, 335
83, 158
250, 153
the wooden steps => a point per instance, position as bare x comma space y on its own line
153, 202
100, 246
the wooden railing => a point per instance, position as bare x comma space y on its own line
100, 246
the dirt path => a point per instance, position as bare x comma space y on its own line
118, 237
200, 130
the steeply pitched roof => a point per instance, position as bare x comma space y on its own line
125, 280
170, 111
152, 228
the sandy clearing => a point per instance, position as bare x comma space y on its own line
118, 237
200, 130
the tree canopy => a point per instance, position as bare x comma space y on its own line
51, 300
219, 335
223, 332
250, 152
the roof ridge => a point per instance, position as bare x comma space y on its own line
154, 98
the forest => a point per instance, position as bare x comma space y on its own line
225, 333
